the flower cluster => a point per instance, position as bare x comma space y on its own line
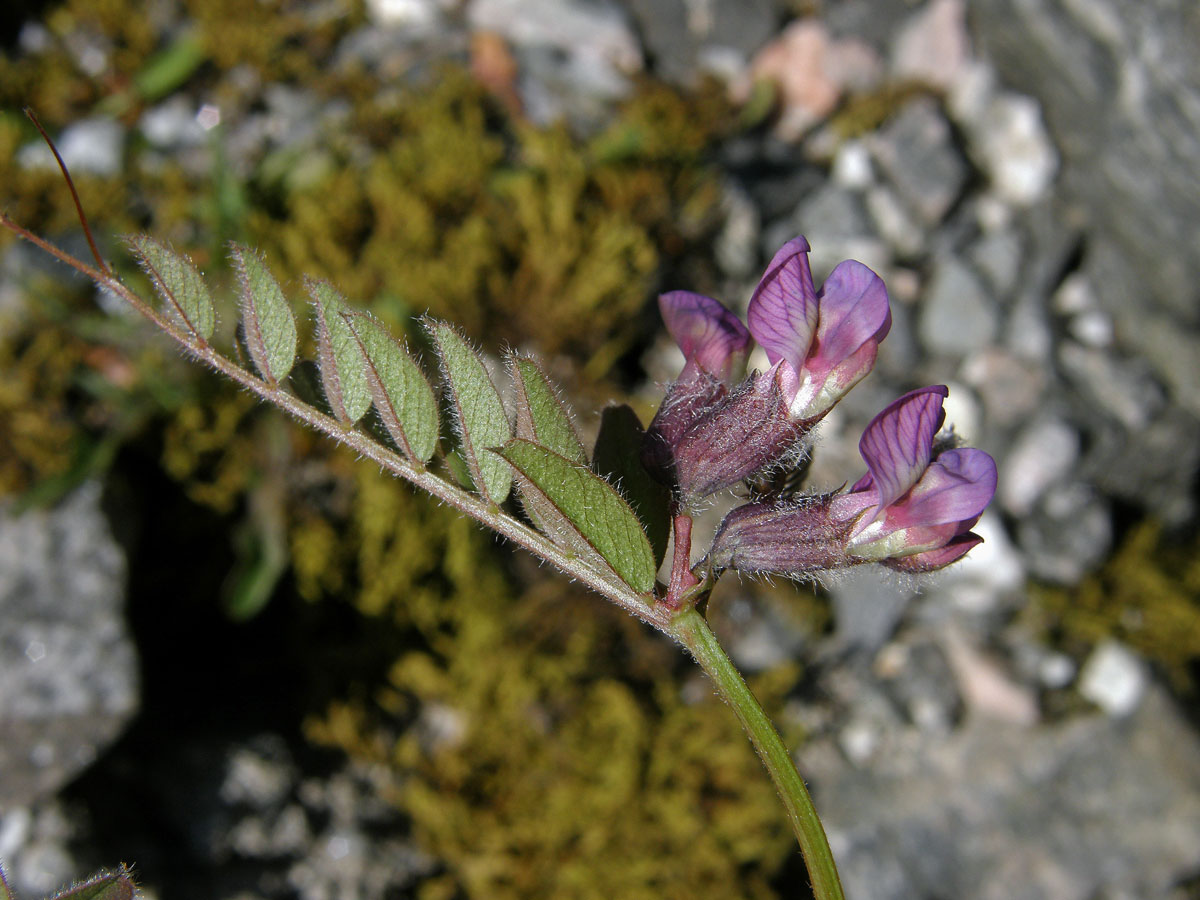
914, 508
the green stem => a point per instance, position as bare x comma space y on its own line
690, 628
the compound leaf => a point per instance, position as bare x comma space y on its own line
617, 457
116, 885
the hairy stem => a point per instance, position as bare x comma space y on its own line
643, 607
690, 628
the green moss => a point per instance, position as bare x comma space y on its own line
538, 768
36, 439
520, 235
1147, 595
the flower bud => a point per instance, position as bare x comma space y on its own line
797, 539
746, 431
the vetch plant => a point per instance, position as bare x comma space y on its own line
608, 518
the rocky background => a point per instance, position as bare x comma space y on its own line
1024, 176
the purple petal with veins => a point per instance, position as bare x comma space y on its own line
783, 311
853, 310
709, 335
956, 487
898, 444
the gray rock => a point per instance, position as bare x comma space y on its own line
1011, 142
1119, 84
679, 35
575, 54
868, 20
919, 679
1044, 453
68, 668
419, 16
172, 124
988, 579
1123, 389
997, 256
895, 222
736, 245
1011, 388
837, 227
757, 635
999, 811
915, 150
1068, 535
867, 605
1152, 468
35, 848
958, 316
932, 47
900, 354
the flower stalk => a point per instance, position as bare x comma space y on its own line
691, 630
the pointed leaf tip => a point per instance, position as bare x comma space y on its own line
116, 885
340, 358
178, 282
596, 520
542, 417
402, 396
269, 324
481, 418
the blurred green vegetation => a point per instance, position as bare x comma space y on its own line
1147, 595
543, 744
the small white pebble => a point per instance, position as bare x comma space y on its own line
1113, 678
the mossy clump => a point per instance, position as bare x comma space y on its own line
542, 748
1147, 595
520, 235
542, 743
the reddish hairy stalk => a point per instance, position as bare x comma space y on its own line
62, 167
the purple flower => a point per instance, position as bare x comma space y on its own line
914, 508
709, 433
820, 343
912, 511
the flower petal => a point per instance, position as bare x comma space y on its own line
783, 311
853, 310
898, 444
709, 335
928, 561
956, 487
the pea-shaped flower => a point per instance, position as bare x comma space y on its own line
821, 343
912, 511
711, 433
